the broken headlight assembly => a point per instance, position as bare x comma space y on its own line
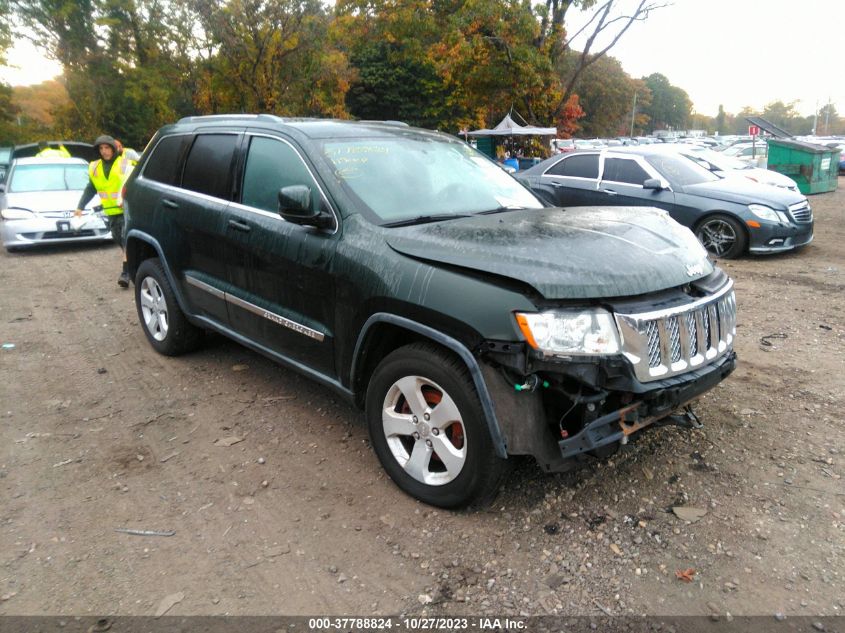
570, 332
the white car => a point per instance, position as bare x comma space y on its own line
754, 154
723, 165
38, 200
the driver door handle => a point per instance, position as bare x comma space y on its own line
609, 192
239, 226
170, 204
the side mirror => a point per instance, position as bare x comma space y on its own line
2, 185
295, 206
653, 183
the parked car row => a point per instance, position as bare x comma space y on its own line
730, 214
712, 142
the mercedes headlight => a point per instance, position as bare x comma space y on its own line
767, 213
565, 332
16, 214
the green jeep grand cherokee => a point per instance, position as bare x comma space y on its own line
411, 274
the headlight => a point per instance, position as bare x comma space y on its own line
767, 213
16, 214
563, 332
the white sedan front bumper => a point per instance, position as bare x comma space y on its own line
53, 228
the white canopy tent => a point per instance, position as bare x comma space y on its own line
509, 127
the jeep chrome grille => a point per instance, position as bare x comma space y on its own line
801, 212
669, 342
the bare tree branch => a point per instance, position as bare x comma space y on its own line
601, 22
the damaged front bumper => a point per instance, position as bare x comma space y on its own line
529, 429
616, 426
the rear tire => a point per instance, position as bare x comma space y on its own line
428, 429
722, 236
165, 325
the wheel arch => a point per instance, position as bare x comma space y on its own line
383, 333
141, 246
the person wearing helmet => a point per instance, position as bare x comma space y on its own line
106, 177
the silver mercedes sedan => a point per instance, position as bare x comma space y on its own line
37, 202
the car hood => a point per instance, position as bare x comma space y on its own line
573, 253
745, 191
44, 201
763, 176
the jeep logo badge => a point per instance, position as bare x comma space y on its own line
695, 269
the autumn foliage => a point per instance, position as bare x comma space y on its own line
131, 67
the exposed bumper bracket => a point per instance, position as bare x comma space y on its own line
687, 419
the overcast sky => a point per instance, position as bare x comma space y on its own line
731, 52
742, 52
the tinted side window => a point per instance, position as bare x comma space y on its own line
624, 170
271, 165
162, 166
209, 165
578, 166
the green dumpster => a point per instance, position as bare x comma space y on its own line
487, 146
814, 167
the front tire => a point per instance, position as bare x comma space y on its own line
429, 431
722, 236
165, 325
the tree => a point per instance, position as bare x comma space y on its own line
273, 57
606, 94
134, 65
608, 22
5, 29
721, 120
9, 131
670, 106
391, 86
784, 115
828, 121
465, 62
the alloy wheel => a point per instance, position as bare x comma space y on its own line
424, 430
154, 308
717, 236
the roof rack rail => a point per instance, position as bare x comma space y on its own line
387, 122
230, 117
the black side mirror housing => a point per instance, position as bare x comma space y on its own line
295, 206
653, 183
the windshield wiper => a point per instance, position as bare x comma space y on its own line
424, 219
501, 209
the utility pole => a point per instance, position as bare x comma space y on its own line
816, 118
827, 118
633, 113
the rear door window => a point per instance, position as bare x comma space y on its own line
163, 165
577, 166
624, 170
208, 168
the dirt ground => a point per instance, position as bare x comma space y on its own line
98, 432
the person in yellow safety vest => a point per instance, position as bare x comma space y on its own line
45, 151
106, 177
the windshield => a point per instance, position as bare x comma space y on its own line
405, 178
54, 177
736, 150
681, 171
720, 161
